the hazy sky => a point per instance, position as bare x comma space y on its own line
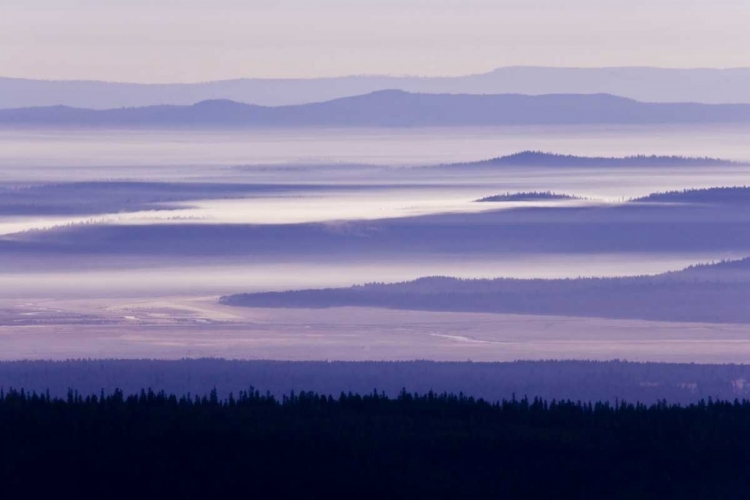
198, 40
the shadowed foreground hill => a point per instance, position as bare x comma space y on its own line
390, 108
368, 446
699, 294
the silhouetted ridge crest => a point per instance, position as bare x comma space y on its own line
724, 264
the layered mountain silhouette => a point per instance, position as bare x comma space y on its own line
391, 108
644, 84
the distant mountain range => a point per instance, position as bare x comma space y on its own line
391, 108
643, 84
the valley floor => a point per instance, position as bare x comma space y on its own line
191, 327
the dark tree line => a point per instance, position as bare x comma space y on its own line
578, 380
308, 445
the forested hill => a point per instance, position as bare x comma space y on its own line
528, 196
699, 294
735, 195
542, 159
390, 108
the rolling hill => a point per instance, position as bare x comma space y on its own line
542, 159
716, 293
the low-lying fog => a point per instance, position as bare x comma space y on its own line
20, 149
162, 277
333, 175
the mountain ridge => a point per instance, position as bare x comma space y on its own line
392, 108
648, 84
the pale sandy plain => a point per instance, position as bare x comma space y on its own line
190, 327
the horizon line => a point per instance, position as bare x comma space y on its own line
370, 75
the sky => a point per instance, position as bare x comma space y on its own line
200, 40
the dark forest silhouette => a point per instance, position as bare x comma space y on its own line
432, 445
